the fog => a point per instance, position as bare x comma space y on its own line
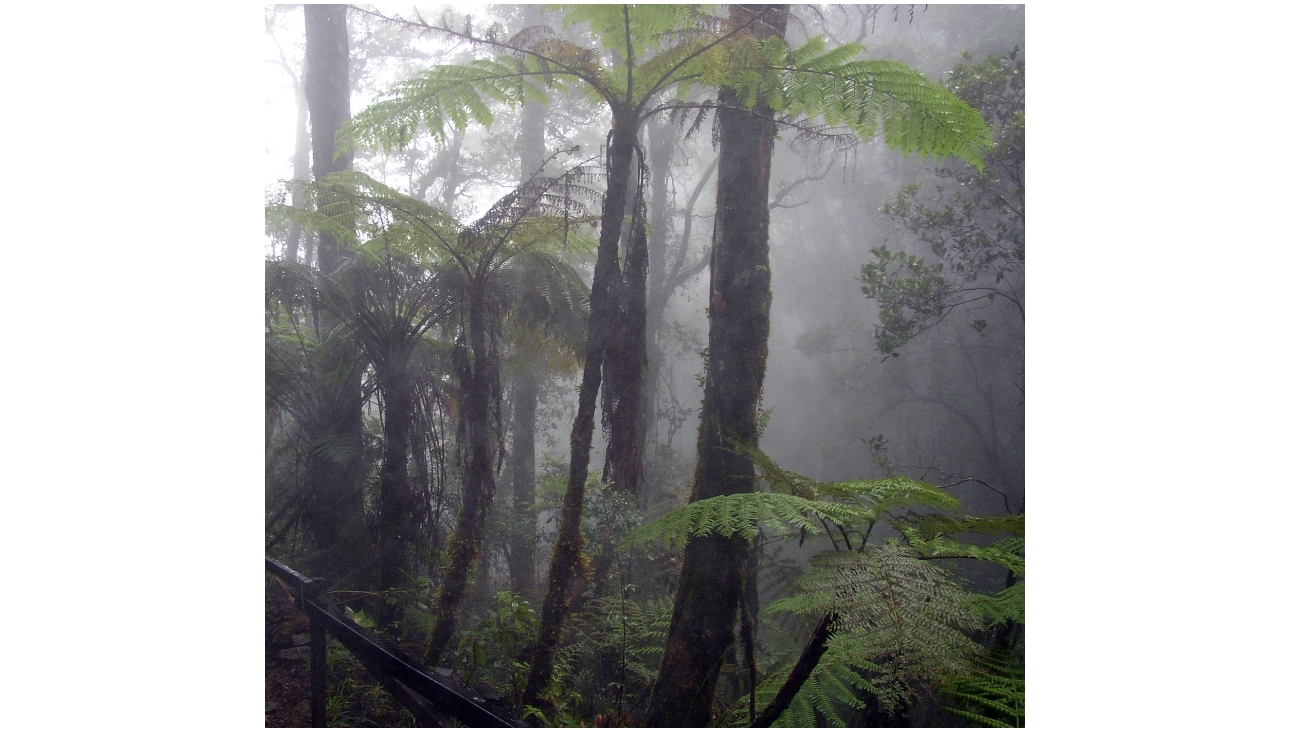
941, 400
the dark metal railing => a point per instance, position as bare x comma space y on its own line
430, 698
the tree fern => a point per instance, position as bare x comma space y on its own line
899, 623
867, 97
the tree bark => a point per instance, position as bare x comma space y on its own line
567, 559
712, 576
397, 509
327, 90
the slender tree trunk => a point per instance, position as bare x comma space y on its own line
334, 478
299, 170
712, 575
524, 475
567, 559
479, 384
662, 143
532, 144
397, 508
806, 663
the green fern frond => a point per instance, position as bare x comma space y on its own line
936, 525
1006, 605
742, 515
439, 97
946, 547
992, 694
875, 497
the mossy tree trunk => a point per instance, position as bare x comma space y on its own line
567, 559
712, 580
477, 369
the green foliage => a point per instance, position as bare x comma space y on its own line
868, 97
992, 694
354, 699
742, 515
901, 624
438, 97
899, 618
489, 652
973, 221
617, 650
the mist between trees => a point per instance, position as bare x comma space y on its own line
657, 365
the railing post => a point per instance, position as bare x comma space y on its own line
317, 656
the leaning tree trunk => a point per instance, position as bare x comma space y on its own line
479, 381
567, 559
334, 479
712, 577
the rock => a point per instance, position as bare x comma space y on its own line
300, 639
270, 706
295, 654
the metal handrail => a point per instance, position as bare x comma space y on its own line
385, 662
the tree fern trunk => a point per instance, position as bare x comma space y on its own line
397, 510
479, 381
712, 574
567, 560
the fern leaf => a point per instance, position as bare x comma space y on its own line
741, 514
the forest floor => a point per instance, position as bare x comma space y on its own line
286, 659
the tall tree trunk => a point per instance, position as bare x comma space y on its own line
532, 144
327, 90
334, 479
712, 577
480, 379
625, 363
567, 559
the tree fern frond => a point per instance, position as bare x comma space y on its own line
993, 693
1006, 605
741, 514
946, 547
439, 97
